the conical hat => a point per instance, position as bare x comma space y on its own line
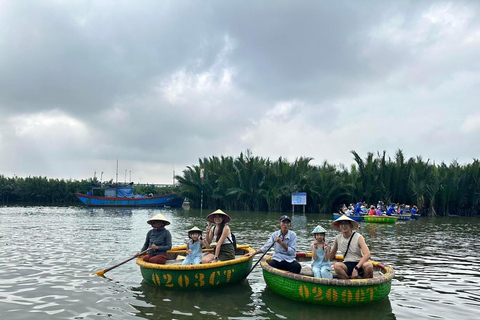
159, 217
195, 229
344, 218
319, 229
219, 212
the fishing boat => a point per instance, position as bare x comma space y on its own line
381, 219
335, 292
353, 217
168, 200
175, 276
116, 195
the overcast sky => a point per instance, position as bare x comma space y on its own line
160, 84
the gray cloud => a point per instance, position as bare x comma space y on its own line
159, 85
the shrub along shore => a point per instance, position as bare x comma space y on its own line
252, 183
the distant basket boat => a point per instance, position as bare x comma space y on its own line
353, 217
404, 217
175, 276
335, 292
381, 219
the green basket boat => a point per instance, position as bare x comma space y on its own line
381, 219
175, 276
335, 292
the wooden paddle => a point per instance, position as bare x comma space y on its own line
260, 259
102, 272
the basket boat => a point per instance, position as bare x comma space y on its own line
404, 217
336, 292
175, 276
353, 217
381, 219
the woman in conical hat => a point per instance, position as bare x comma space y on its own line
355, 251
222, 235
158, 239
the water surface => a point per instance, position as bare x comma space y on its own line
48, 255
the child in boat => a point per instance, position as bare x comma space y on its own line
158, 239
320, 254
224, 249
194, 246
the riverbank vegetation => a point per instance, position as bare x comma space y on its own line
260, 184
254, 183
44, 191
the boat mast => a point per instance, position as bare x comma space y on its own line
116, 172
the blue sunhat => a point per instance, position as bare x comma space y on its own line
319, 229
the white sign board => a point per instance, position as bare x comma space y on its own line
299, 198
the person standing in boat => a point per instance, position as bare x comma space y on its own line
355, 251
158, 239
285, 243
320, 254
194, 246
224, 249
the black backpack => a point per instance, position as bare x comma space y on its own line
234, 241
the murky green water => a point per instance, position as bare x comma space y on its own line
48, 255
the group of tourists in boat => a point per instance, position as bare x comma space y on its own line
361, 208
355, 251
319, 276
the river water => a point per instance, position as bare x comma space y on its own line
48, 255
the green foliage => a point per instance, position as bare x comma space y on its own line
259, 184
255, 183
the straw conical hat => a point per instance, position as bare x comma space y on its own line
159, 217
219, 212
344, 218
194, 229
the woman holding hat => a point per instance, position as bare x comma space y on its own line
355, 252
158, 239
194, 246
221, 233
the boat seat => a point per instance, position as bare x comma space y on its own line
179, 259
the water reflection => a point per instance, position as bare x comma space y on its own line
154, 302
283, 307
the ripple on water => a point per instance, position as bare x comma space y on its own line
48, 254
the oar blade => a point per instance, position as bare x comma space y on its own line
100, 273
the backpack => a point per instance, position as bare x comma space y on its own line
234, 241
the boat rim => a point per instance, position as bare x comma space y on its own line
386, 277
175, 267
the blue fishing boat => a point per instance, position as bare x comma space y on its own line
168, 200
353, 217
122, 196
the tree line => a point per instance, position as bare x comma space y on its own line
254, 183
44, 191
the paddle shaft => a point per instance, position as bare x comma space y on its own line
260, 258
123, 262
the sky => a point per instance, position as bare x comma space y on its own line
157, 85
